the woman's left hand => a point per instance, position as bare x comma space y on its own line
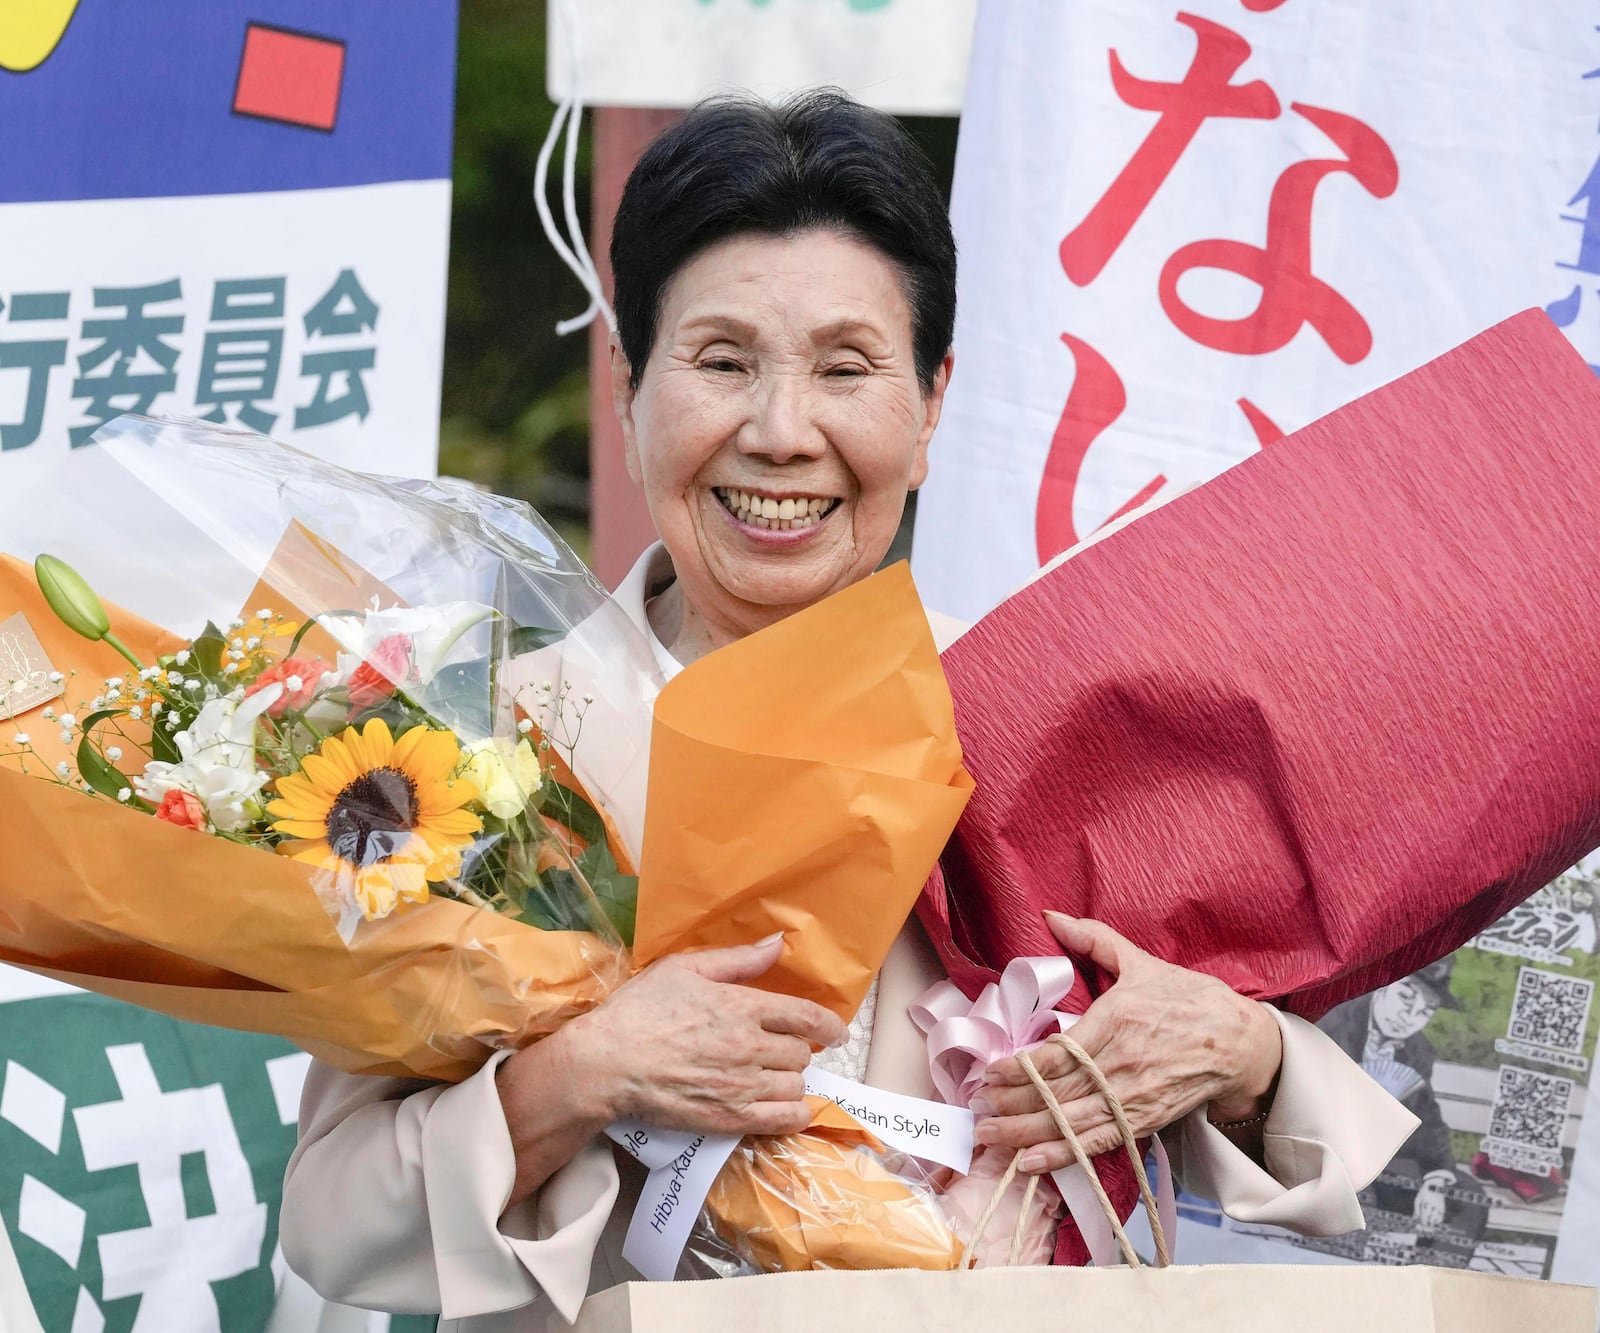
1167, 1039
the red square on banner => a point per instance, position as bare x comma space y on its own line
292, 77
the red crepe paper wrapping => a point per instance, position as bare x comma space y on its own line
1314, 724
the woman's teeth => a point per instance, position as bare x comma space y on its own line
762, 511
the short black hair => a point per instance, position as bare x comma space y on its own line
735, 165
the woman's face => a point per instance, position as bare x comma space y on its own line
778, 424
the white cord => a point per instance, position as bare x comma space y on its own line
576, 254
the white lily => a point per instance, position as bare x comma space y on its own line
433, 631
218, 764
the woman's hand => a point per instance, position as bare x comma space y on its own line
1167, 1039
683, 1045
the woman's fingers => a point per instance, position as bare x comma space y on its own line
1043, 1158
774, 1051
798, 1018
1023, 1131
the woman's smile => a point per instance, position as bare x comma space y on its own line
776, 517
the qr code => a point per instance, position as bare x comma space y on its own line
1530, 1109
1550, 1009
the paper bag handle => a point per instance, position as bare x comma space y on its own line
1129, 1143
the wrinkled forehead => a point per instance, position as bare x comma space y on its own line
815, 286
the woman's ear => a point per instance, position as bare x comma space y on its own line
932, 407
622, 396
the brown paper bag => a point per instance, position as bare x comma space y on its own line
1222, 1299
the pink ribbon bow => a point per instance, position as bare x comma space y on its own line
966, 1036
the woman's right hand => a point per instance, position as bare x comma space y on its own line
683, 1045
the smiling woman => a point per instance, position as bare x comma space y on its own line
785, 297
777, 427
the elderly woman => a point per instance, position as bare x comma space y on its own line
785, 296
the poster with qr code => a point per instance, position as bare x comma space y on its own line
1493, 1049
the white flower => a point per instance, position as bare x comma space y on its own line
49, 715
433, 631
545, 688
126, 794
141, 695
505, 775
149, 673
98, 702
265, 613
114, 683
525, 726
56, 678
114, 753
252, 642
588, 698
68, 720
294, 684
21, 738
230, 668
136, 712
175, 680
218, 760
192, 683
236, 624
63, 769
182, 659
236, 644
66, 738
155, 708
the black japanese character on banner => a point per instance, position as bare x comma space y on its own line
344, 310
35, 356
239, 366
131, 343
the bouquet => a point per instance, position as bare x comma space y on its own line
362, 762
1312, 725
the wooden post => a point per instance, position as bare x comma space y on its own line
619, 523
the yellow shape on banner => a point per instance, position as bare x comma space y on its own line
30, 30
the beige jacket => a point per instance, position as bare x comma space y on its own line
395, 1197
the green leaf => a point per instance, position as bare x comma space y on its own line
530, 638
94, 768
208, 650
572, 810
617, 894
71, 598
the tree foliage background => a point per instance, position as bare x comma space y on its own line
515, 412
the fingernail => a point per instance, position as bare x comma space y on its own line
1031, 1162
980, 1106
1060, 916
773, 938
986, 1132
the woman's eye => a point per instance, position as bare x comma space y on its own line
851, 371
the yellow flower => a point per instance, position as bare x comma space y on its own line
506, 775
383, 815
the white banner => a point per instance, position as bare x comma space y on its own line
306, 315
1186, 232
905, 56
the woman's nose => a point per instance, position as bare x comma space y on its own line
784, 425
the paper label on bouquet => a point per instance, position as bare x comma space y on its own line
648, 1144
670, 1202
930, 1131
25, 671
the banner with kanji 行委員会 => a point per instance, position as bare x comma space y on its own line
237, 211
1185, 232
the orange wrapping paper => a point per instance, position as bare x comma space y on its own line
803, 780
815, 1200
807, 780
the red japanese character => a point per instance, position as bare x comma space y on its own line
1094, 402
1185, 106
1267, 431
1261, 6
1291, 295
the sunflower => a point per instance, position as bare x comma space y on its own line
383, 815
